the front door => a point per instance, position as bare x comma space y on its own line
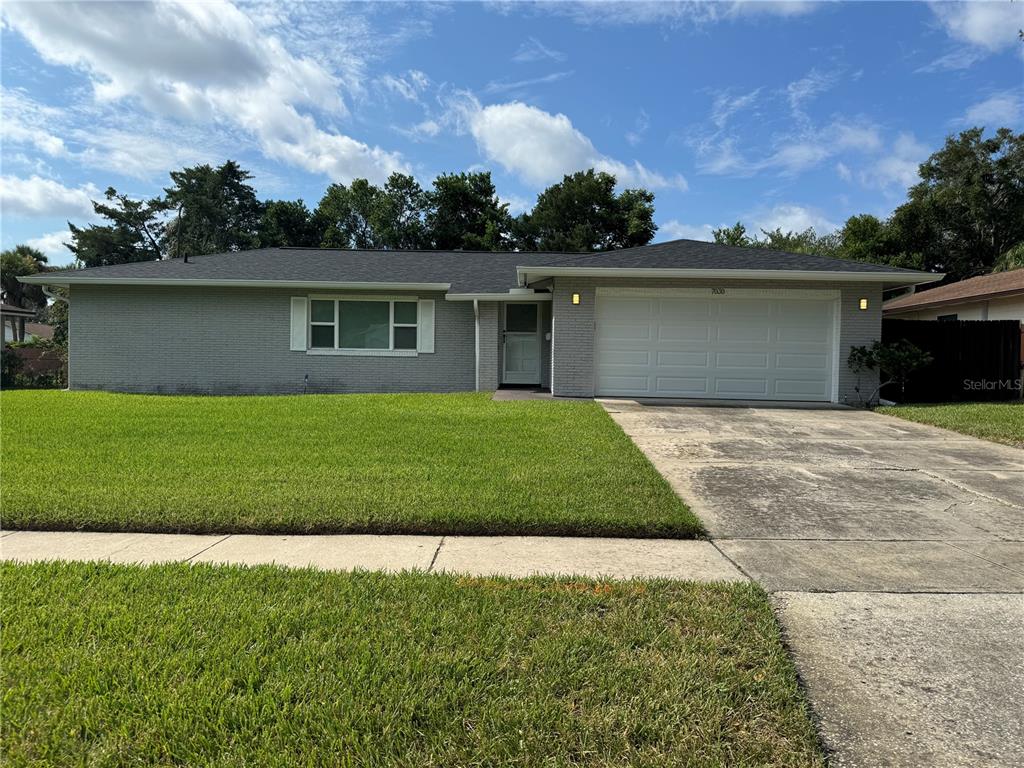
522, 344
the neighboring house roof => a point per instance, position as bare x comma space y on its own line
468, 274
39, 330
996, 285
12, 311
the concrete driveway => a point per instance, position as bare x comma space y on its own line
894, 553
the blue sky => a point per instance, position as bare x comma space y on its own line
779, 114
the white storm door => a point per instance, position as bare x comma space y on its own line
521, 344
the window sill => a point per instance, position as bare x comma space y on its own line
363, 352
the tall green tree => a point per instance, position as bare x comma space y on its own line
287, 223
583, 213
400, 215
968, 208
345, 216
213, 210
22, 261
466, 214
734, 235
133, 231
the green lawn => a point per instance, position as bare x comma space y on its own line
1001, 422
202, 665
327, 463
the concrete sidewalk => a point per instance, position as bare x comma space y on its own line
472, 555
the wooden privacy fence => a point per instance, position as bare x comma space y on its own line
972, 360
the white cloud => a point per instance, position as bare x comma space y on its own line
640, 126
26, 123
541, 148
516, 204
807, 88
992, 26
501, 86
843, 171
790, 217
959, 58
205, 62
533, 49
898, 166
425, 129
725, 105
674, 229
408, 86
36, 196
683, 13
52, 245
997, 111
860, 136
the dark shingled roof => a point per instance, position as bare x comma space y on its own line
466, 271
697, 254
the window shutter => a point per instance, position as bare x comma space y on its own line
299, 323
425, 336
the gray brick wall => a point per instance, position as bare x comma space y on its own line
224, 341
573, 326
490, 345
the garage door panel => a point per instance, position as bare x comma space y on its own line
746, 387
624, 384
631, 357
694, 333
729, 330
741, 360
622, 332
790, 389
721, 347
799, 335
667, 358
816, 361
684, 312
676, 386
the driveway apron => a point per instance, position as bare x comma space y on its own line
894, 553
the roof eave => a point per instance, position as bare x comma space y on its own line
71, 280
528, 274
506, 297
954, 301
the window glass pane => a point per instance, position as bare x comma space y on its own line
364, 324
405, 338
405, 312
322, 335
322, 311
521, 318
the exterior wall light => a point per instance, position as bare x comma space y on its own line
863, 303
575, 298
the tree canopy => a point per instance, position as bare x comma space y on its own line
583, 213
964, 217
20, 261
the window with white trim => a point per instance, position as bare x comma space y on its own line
355, 324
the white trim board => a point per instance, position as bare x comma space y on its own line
187, 282
722, 293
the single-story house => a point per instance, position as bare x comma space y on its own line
681, 319
999, 296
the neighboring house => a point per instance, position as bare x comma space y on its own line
15, 322
682, 319
999, 296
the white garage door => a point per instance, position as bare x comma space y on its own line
757, 345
